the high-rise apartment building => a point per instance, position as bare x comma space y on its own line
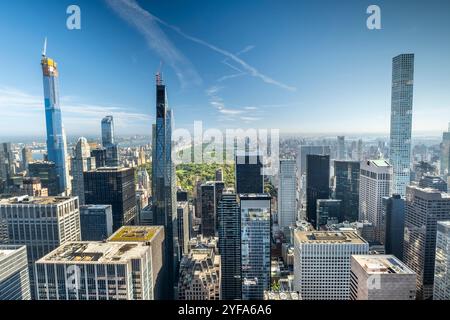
287, 194
108, 142
14, 276
116, 187
56, 137
41, 224
81, 162
445, 153
255, 245
200, 277
401, 121
424, 208
442, 262
164, 182
96, 222
381, 277
347, 176
317, 183
229, 216
375, 184
322, 263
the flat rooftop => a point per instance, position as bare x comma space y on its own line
135, 234
27, 200
382, 264
95, 252
380, 163
329, 237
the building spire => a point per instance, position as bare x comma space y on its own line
44, 51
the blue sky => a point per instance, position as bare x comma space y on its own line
301, 66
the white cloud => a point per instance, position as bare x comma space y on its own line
20, 109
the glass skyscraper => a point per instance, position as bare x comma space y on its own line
347, 175
163, 182
56, 138
401, 120
317, 183
112, 150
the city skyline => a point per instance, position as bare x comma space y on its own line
202, 70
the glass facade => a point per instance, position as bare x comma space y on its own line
401, 121
317, 183
347, 188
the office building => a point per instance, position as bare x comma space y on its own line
47, 174
200, 275
394, 216
445, 153
328, 212
144, 180
341, 153
184, 226
219, 174
100, 157
304, 151
347, 176
424, 208
381, 277
116, 187
81, 162
375, 184
27, 158
41, 224
255, 245
249, 174
322, 263
433, 182
14, 276
56, 137
442, 262
96, 222
6, 164
401, 121
112, 150
126, 267
287, 194
164, 182
317, 183
33, 187
229, 216
211, 193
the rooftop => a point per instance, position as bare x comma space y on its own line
379, 163
135, 234
329, 237
271, 295
6, 250
95, 252
27, 200
382, 264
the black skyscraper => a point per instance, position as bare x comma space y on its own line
164, 184
100, 157
47, 173
317, 183
249, 175
394, 215
229, 216
116, 187
347, 188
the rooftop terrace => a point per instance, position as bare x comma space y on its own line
135, 234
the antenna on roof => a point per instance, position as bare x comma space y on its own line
159, 80
44, 51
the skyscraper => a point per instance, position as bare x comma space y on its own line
375, 183
27, 157
341, 152
328, 212
433, 182
442, 262
81, 162
249, 173
347, 175
208, 199
100, 157
56, 137
116, 187
6, 165
401, 121
287, 195
322, 263
14, 276
164, 182
45, 224
445, 153
381, 277
96, 222
317, 183
304, 151
47, 174
255, 245
424, 207
112, 150
229, 216
394, 216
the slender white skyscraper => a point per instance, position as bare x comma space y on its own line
401, 120
81, 162
287, 199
